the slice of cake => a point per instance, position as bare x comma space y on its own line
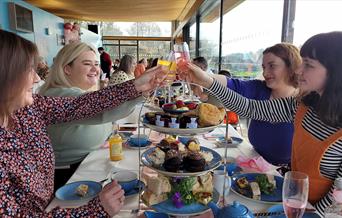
150, 198
82, 190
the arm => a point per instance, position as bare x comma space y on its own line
328, 198
65, 109
223, 80
277, 110
10, 206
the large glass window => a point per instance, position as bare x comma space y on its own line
209, 37
153, 49
147, 29
313, 17
192, 42
248, 29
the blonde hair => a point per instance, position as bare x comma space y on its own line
56, 77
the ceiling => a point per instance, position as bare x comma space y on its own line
118, 10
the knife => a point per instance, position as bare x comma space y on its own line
280, 213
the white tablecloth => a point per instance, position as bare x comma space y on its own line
97, 166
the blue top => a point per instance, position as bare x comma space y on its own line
271, 140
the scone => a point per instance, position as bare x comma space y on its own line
210, 115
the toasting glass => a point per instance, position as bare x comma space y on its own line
295, 193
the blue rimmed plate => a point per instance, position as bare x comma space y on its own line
68, 191
279, 208
152, 214
193, 209
212, 165
275, 197
221, 141
139, 188
134, 146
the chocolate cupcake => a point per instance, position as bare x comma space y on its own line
164, 145
194, 162
173, 161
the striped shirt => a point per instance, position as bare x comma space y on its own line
284, 110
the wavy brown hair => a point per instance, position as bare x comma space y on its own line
17, 57
290, 55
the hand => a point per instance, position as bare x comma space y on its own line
112, 198
104, 83
197, 75
150, 79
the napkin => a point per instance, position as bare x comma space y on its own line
254, 164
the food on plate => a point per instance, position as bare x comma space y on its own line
151, 198
82, 190
180, 104
242, 182
157, 157
159, 184
208, 156
173, 161
193, 146
194, 162
192, 189
204, 183
256, 194
208, 114
267, 183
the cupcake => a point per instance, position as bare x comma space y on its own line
164, 145
194, 162
173, 161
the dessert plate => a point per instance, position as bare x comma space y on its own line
140, 187
193, 209
213, 164
68, 191
174, 131
275, 197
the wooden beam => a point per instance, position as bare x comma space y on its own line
140, 38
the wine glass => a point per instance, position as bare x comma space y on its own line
295, 193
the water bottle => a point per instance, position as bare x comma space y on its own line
335, 209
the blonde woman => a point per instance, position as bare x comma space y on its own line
75, 71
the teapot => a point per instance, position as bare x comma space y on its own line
233, 210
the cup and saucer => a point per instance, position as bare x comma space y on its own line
138, 141
129, 182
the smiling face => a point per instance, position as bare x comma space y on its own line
275, 71
84, 71
312, 76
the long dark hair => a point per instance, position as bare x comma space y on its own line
126, 64
17, 57
327, 49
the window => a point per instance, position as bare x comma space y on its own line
313, 17
248, 29
210, 36
192, 43
147, 29
153, 49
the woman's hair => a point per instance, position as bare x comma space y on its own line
126, 64
291, 56
326, 48
56, 77
17, 57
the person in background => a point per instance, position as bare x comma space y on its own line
154, 62
316, 113
75, 71
225, 73
27, 158
201, 62
116, 64
279, 63
42, 71
140, 68
106, 62
125, 71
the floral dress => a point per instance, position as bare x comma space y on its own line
26, 156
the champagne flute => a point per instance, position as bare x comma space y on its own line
295, 193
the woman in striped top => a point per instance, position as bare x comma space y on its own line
317, 115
